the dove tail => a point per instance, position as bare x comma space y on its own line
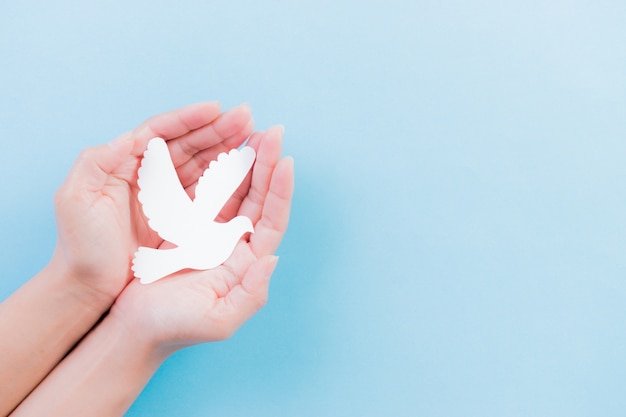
150, 265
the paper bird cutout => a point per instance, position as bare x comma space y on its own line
202, 243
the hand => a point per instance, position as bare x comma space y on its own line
100, 224
149, 322
199, 306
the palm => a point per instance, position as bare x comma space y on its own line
100, 221
195, 306
183, 309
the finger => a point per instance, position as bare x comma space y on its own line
270, 229
234, 131
246, 298
200, 146
268, 146
174, 123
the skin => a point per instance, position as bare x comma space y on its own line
97, 214
97, 208
147, 323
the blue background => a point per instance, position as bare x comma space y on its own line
458, 239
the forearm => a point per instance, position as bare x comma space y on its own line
39, 324
101, 377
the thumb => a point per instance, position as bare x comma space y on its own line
251, 294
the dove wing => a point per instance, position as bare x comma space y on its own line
221, 179
165, 202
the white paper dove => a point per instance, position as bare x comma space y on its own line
201, 242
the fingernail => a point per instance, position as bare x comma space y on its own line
271, 266
120, 141
244, 106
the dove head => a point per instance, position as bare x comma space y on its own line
242, 225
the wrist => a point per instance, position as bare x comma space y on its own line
74, 283
146, 344
105, 372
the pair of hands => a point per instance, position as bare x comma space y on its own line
101, 224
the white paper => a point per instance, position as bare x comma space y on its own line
201, 242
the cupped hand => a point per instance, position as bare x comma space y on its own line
199, 306
100, 223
